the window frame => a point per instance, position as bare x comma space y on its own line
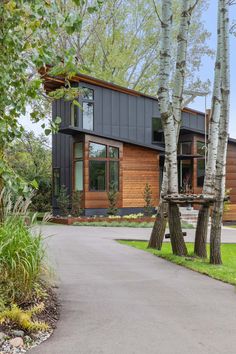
160, 131
185, 142
53, 181
76, 159
107, 160
86, 100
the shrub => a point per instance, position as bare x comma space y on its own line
112, 196
21, 254
76, 203
63, 201
147, 195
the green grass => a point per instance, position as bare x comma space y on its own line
124, 224
225, 272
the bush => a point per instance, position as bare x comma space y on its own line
147, 196
76, 204
112, 196
63, 201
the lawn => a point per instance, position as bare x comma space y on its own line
225, 272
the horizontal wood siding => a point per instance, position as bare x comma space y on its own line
140, 166
231, 173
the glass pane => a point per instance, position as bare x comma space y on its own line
88, 93
87, 115
56, 181
201, 148
78, 150
200, 172
156, 128
97, 150
74, 115
97, 175
186, 148
79, 175
113, 152
114, 175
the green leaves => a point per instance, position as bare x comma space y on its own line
73, 23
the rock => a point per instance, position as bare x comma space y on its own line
16, 342
17, 333
2, 336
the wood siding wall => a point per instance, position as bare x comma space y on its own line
140, 166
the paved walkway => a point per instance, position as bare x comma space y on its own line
120, 300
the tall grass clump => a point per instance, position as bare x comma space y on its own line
21, 254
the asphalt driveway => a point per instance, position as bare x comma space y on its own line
119, 300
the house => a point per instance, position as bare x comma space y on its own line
115, 140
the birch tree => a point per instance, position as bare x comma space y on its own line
171, 110
215, 235
213, 137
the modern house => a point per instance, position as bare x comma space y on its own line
115, 140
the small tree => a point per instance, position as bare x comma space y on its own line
147, 196
112, 196
63, 201
76, 203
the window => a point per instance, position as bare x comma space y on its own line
88, 108
185, 148
97, 150
56, 182
157, 134
200, 172
74, 114
78, 166
201, 148
97, 174
103, 167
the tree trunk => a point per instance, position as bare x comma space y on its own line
201, 231
213, 138
176, 235
215, 238
158, 231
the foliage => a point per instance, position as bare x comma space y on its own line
23, 318
30, 158
226, 272
147, 196
21, 254
63, 200
135, 224
120, 42
112, 197
76, 203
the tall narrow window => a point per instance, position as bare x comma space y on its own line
201, 148
157, 134
56, 182
88, 108
78, 166
74, 115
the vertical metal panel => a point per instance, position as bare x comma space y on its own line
148, 120
132, 118
115, 114
107, 111
98, 110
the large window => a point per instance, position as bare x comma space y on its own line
201, 148
103, 167
88, 108
157, 134
56, 182
78, 166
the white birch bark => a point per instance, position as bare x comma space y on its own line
213, 134
215, 236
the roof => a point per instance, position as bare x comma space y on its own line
54, 82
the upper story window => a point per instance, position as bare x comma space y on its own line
103, 167
157, 134
88, 108
74, 115
201, 148
185, 148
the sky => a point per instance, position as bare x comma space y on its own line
206, 71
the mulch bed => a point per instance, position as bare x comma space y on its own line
72, 220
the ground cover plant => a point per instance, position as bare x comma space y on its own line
225, 272
143, 224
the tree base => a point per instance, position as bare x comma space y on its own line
176, 235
